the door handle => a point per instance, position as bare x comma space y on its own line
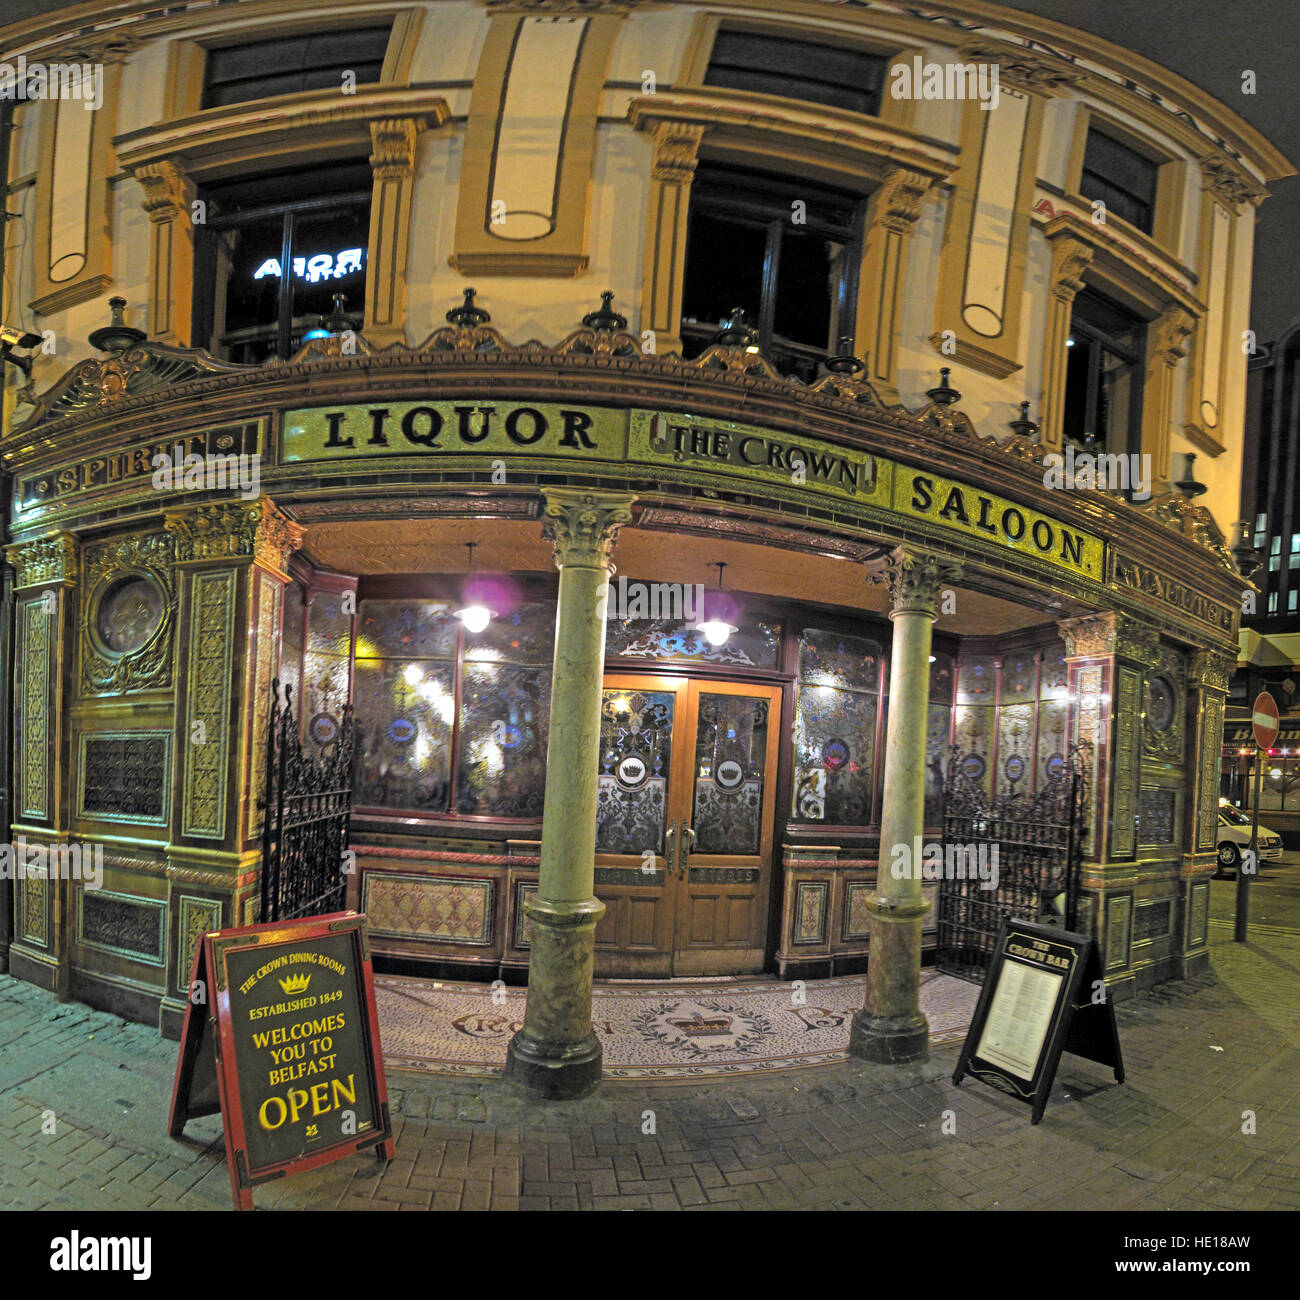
688, 846
670, 847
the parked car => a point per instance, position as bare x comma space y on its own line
1234, 840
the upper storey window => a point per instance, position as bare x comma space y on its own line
1103, 386
784, 251
274, 252
1121, 178
776, 65
236, 74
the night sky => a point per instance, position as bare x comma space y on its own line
1209, 42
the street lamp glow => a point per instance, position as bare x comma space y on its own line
474, 617
716, 631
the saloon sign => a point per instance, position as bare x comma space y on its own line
792, 464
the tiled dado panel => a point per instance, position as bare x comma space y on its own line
450, 910
123, 925
827, 911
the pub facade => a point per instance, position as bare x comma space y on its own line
709, 521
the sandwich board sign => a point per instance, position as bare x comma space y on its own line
1039, 1000
281, 1036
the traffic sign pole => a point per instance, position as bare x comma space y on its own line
1243, 876
1264, 722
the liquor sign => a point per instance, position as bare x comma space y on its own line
1039, 1000
281, 1036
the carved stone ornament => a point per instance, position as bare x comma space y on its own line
231, 531
168, 191
1195, 522
44, 562
393, 142
1024, 69
1209, 670
583, 526
898, 203
1229, 182
676, 152
1096, 636
129, 589
915, 578
1070, 259
1170, 334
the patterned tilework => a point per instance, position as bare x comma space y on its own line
673, 1030
34, 895
438, 909
212, 633
34, 716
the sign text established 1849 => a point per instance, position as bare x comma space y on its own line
283, 1016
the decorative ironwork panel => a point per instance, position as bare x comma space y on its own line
755, 645
1152, 920
33, 707
635, 763
212, 639
125, 776
503, 727
118, 923
405, 713
730, 769
1157, 815
847, 662
834, 756
308, 808
1014, 855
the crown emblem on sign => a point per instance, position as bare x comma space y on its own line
295, 983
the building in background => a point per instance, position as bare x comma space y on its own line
292, 203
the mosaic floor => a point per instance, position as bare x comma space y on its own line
653, 1030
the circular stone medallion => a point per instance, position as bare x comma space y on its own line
129, 614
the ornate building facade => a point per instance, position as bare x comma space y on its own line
796, 236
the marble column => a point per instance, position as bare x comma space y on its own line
890, 1028
556, 1055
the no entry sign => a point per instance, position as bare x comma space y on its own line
1264, 717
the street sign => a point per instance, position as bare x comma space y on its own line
281, 1036
1264, 717
1044, 994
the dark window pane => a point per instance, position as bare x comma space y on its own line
1121, 178
809, 290
286, 64
724, 268
1104, 371
775, 65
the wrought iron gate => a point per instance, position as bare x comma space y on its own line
306, 812
1009, 855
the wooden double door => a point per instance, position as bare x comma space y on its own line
684, 825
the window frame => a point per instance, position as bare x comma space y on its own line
1099, 342
750, 208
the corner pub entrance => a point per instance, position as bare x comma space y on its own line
738, 791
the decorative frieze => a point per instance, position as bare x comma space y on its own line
1208, 670
232, 531
1110, 633
44, 562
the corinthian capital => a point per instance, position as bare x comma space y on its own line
583, 526
915, 578
47, 561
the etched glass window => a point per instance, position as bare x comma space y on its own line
635, 759
835, 729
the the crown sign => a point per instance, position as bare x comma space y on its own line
295, 983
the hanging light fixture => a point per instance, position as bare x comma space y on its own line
475, 616
714, 625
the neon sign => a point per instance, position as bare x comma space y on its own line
321, 266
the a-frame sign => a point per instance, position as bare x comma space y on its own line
1039, 1000
281, 1036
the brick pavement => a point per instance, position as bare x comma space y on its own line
1198, 1055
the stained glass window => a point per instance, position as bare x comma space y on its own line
636, 729
730, 758
505, 707
326, 669
757, 644
835, 729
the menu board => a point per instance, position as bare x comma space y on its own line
287, 1026
1044, 994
